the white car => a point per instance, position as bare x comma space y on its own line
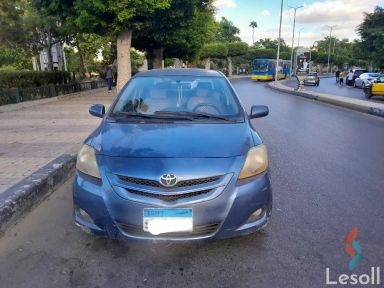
365, 79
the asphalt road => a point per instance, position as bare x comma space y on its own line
327, 170
329, 86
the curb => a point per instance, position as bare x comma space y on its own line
371, 108
19, 199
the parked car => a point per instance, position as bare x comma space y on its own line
174, 158
365, 79
312, 79
357, 72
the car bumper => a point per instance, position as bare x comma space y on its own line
310, 82
92, 211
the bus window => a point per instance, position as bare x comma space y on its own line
260, 66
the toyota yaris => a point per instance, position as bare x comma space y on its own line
175, 158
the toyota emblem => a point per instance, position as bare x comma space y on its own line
168, 180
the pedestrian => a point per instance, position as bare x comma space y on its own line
341, 78
349, 79
109, 77
337, 75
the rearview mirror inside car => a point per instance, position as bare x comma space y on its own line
97, 110
258, 111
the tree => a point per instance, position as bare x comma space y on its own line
11, 22
42, 31
119, 18
253, 24
227, 32
235, 49
26, 24
213, 50
268, 43
177, 32
372, 35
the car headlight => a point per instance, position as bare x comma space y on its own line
255, 163
86, 161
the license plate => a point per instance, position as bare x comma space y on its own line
158, 221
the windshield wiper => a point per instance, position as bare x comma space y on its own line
149, 116
193, 114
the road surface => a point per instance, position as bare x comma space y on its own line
329, 86
327, 173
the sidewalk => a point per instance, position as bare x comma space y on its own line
33, 136
364, 106
38, 143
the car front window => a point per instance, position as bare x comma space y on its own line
168, 96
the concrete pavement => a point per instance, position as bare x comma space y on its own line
35, 135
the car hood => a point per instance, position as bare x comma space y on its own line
173, 140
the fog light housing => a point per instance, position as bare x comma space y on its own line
84, 216
257, 215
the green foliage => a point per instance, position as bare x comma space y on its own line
11, 22
106, 16
260, 53
371, 31
214, 50
23, 79
272, 44
15, 59
185, 34
237, 48
227, 32
253, 24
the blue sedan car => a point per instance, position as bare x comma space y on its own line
175, 158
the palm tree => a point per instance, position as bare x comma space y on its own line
253, 24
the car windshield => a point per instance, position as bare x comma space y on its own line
374, 74
178, 98
312, 74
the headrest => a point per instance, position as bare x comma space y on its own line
204, 85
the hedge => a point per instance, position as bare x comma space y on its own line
23, 79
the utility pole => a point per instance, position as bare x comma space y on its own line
329, 49
293, 38
298, 40
278, 45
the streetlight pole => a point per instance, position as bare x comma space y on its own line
329, 49
293, 39
278, 45
298, 40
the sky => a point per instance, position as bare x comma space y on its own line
313, 20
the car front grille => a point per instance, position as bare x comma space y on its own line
183, 183
198, 231
169, 197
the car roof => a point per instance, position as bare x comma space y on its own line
180, 72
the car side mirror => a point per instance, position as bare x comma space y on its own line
258, 111
97, 110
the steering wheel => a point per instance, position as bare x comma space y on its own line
208, 105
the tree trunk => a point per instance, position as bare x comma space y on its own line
83, 69
158, 61
208, 63
123, 58
253, 36
229, 59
